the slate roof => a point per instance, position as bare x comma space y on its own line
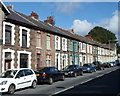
22, 19
34, 24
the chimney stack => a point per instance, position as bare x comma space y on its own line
35, 15
50, 20
10, 7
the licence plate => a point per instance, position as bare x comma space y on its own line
37, 74
66, 73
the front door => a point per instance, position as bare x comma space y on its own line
7, 64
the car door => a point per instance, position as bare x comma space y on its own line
20, 79
58, 74
29, 77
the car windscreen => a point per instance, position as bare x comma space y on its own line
86, 65
8, 74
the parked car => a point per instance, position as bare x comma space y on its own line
73, 70
111, 64
106, 65
14, 79
89, 67
99, 65
49, 75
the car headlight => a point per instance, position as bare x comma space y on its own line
88, 68
3, 82
71, 72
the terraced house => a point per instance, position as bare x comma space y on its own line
25, 41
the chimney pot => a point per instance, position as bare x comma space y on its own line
35, 15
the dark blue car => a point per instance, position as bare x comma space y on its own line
73, 70
89, 67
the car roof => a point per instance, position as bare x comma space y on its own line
19, 69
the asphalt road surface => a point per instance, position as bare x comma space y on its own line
103, 83
107, 85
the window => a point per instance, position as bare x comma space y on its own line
38, 60
28, 72
8, 60
20, 74
24, 38
8, 30
63, 44
57, 43
7, 55
48, 42
48, 60
38, 40
23, 60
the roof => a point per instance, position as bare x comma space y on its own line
38, 25
4, 7
32, 23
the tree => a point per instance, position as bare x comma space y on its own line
102, 35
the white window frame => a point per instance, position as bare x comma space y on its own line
28, 35
39, 47
57, 46
48, 47
29, 58
64, 44
57, 54
12, 57
12, 34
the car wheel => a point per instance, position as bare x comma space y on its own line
50, 81
75, 74
63, 78
34, 84
95, 70
11, 89
91, 71
81, 73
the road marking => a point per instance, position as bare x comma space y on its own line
63, 90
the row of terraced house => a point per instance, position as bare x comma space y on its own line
25, 41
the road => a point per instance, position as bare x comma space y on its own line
97, 82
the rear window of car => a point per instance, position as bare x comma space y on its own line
28, 72
44, 70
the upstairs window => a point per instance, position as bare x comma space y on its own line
8, 31
38, 40
24, 38
48, 42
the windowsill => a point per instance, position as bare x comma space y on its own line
48, 49
38, 47
24, 47
8, 45
57, 49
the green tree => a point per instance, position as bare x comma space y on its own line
102, 35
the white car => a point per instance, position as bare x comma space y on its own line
14, 79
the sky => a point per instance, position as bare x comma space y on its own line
80, 16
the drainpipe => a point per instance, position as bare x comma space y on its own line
1, 19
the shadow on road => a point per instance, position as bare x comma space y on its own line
107, 85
